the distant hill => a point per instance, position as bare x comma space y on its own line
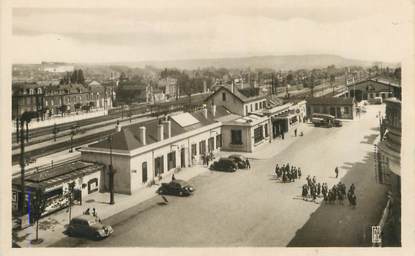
287, 62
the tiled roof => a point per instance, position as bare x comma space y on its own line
244, 95
329, 101
128, 139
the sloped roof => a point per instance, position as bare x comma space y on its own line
244, 95
128, 138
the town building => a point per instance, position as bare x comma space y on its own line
49, 100
388, 162
54, 181
240, 101
342, 108
143, 153
371, 88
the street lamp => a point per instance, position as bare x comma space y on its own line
111, 172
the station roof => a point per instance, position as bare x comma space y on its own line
59, 174
128, 138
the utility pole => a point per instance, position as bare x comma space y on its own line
111, 172
22, 170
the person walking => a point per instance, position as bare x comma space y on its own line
353, 200
336, 171
295, 132
299, 173
248, 164
282, 135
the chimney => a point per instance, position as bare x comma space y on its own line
205, 113
160, 132
204, 86
142, 135
167, 126
213, 110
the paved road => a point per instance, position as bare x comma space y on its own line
250, 208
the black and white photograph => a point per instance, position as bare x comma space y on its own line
208, 124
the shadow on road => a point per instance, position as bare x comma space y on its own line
340, 225
369, 139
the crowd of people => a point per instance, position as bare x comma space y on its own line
313, 189
285, 173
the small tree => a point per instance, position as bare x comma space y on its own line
38, 202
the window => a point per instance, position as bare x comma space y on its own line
51, 102
266, 130
92, 185
144, 172
159, 165
223, 96
251, 107
236, 137
31, 91
211, 146
256, 106
260, 105
258, 134
218, 140
46, 103
194, 150
171, 160
246, 109
202, 147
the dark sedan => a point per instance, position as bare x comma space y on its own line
224, 165
239, 160
176, 188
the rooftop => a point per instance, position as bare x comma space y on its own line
128, 138
57, 174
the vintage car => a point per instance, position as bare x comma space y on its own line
239, 160
88, 226
176, 188
224, 165
325, 120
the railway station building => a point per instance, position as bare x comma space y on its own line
142, 153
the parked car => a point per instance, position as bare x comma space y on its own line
239, 160
224, 165
88, 226
337, 123
176, 188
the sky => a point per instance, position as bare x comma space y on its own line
168, 30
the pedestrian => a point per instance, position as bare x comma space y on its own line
172, 177
204, 159
299, 173
295, 132
336, 171
313, 192
207, 160
282, 135
353, 200
277, 170
314, 180
248, 164
318, 189
352, 188
87, 212
94, 213
305, 192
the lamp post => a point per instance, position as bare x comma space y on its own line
111, 173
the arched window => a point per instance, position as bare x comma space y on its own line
31, 91
39, 90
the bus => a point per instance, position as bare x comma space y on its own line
325, 120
